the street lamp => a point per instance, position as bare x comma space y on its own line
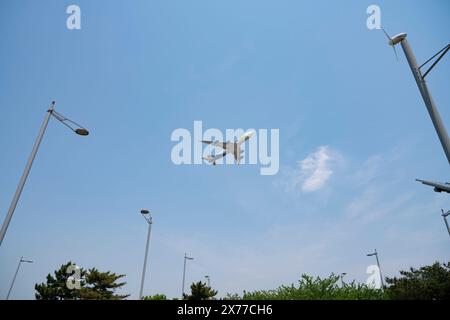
378, 264
444, 215
422, 85
78, 129
208, 279
184, 273
342, 278
419, 77
148, 217
15, 275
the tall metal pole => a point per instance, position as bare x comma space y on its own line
14, 279
446, 223
149, 221
23, 179
184, 273
427, 98
379, 268
15, 275
444, 215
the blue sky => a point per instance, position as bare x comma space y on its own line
349, 115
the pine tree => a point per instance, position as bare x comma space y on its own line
101, 286
426, 283
56, 287
93, 284
200, 291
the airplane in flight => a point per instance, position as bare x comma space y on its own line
233, 148
438, 186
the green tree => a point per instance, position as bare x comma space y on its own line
310, 288
426, 283
200, 291
93, 284
101, 286
56, 287
157, 296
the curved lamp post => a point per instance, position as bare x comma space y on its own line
422, 85
75, 127
148, 217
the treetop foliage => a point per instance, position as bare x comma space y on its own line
93, 284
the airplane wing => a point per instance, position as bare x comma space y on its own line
220, 155
246, 136
219, 144
438, 186
212, 159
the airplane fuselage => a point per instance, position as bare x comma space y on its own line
233, 148
438, 186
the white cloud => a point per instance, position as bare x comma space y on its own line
312, 173
315, 169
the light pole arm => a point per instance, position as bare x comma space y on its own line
23, 179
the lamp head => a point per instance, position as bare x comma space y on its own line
145, 211
82, 132
27, 261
